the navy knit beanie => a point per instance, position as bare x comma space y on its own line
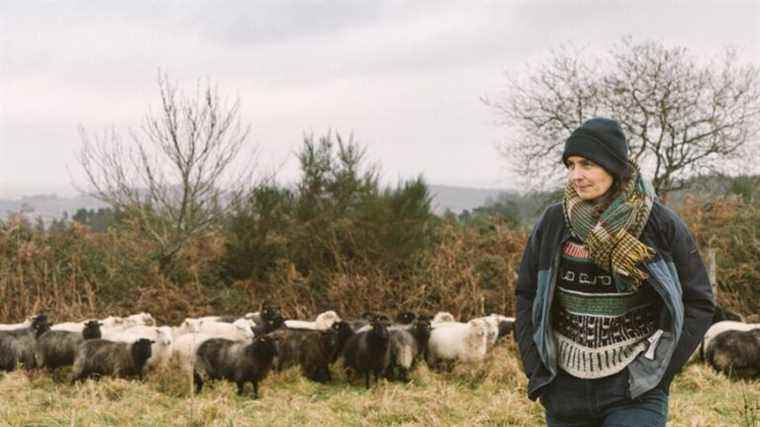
602, 141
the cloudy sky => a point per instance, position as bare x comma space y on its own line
406, 78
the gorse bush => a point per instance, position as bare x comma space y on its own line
730, 225
337, 221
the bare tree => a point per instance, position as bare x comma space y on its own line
682, 117
173, 170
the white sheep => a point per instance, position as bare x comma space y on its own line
76, 327
465, 342
184, 349
12, 326
109, 323
237, 330
161, 338
492, 329
140, 319
442, 316
323, 322
494, 324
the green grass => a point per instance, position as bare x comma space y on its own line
490, 394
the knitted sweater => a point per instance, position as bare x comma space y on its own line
598, 330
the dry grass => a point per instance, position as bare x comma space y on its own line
491, 394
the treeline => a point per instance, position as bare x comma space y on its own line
337, 240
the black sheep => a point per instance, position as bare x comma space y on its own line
59, 348
406, 318
368, 352
98, 357
505, 328
240, 362
20, 345
313, 350
316, 353
268, 324
268, 312
720, 314
736, 353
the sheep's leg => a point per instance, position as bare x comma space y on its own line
75, 378
240, 387
366, 379
198, 381
255, 389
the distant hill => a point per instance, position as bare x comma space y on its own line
46, 206
457, 199
454, 199
50, 206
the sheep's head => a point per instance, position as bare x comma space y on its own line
326, 319
425, 316
479, 327
269, 312
147, 319
505, 327
378, 329
277, 322
191, 325
245, 326
91, 330
422, 330
443, 316
164, 335
141, 349
113, 321
343, 330
406, 317
40, 325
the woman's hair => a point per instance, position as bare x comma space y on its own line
619, 183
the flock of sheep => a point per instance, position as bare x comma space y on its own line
245, 348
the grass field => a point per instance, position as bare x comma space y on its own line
490, 394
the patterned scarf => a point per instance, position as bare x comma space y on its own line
612, 238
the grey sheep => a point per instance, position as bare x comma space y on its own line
239, 362
59, 348
407, 343
368, 352
736, 353
100, 357
20, 345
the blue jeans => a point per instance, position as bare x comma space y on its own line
576, 402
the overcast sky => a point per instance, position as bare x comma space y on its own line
405, 77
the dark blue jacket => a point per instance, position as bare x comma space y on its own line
676, 272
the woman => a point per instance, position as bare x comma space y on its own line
612, 295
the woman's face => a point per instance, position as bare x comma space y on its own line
590, 180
